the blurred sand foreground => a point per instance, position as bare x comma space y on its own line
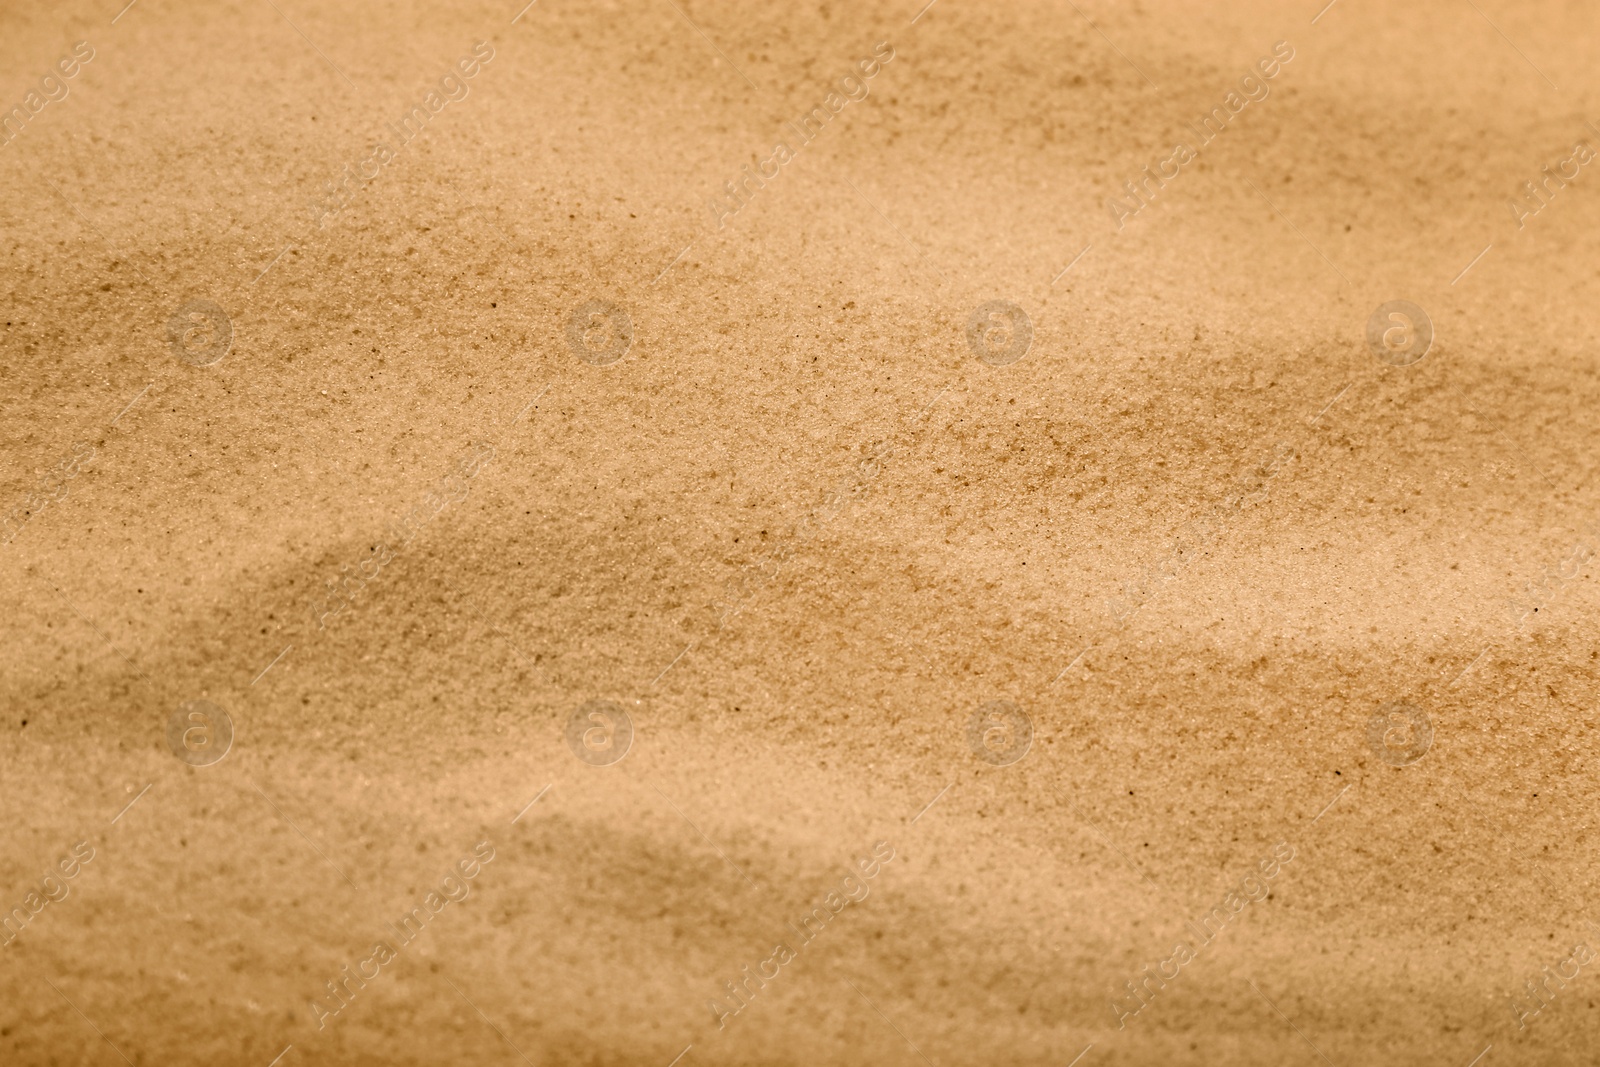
704, 533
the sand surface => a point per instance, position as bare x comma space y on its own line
990, 616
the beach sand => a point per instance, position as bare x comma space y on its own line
716, 533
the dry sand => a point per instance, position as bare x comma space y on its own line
798, 535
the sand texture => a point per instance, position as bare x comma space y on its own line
710, 533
